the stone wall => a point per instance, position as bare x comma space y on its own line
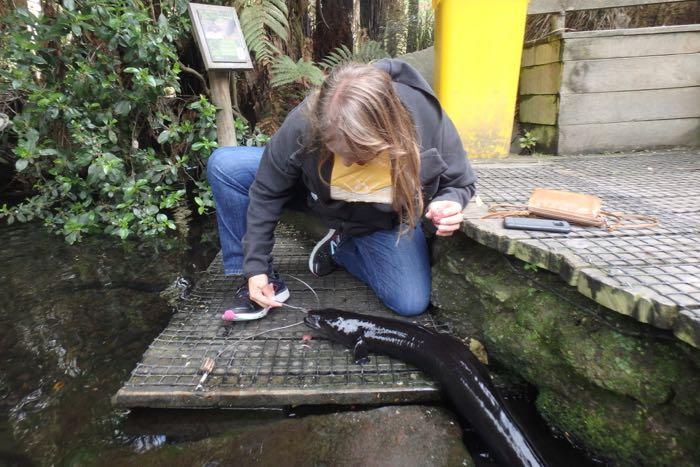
621, 389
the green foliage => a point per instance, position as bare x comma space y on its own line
247, 137
528, 142
256, 16
425, 29
104, 137
286, 71
366, 52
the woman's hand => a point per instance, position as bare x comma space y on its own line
261, 291
446, 216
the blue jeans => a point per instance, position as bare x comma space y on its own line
398, 273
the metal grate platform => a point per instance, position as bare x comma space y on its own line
653, 274
277, 368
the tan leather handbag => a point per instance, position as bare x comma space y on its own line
576, 208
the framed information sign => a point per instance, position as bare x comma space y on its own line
219, 37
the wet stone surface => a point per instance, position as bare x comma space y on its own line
401, 435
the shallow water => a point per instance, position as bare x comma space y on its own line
75, 320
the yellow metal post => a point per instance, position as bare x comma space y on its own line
478, 44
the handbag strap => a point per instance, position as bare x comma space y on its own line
500, 210
620, 217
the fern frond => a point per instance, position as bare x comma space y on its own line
286, 71
370, 50
366, 52
255, 17
339, 55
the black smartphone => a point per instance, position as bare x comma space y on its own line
542, 225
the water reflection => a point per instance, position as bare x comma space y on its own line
146, 443
74, 321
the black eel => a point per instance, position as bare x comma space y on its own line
461, 376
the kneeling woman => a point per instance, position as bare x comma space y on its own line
373, 154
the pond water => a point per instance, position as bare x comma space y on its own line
75, 320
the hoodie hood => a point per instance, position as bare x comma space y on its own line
402, 72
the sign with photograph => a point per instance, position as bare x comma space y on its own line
219, 37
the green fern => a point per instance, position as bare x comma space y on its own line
366, 52
286, 71
339, 55
255, 17
370, 50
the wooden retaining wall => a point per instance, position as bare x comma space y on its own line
613, 90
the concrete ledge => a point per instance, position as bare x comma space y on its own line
652, 275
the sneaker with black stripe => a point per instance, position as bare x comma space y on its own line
321, 259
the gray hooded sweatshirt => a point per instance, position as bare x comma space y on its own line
288, 171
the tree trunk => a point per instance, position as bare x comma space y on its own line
394, 26
297, 18
8, 5
372, 18
48, 8
333, 26
412, 36
357, 34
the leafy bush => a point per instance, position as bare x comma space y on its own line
104, 137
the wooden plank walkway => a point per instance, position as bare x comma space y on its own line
276, 368
652, 275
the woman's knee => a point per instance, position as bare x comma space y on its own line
229, 162
407, 303
218, 163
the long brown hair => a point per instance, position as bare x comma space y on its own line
359, 101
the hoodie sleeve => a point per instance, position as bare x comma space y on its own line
273, 186
458, 181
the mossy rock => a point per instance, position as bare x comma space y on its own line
627, 432
635, 387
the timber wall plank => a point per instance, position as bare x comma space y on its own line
541, 54
539, 109
636, 73
608, 46
625, 106
598, 137
538, 7
541, 79
632, 31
